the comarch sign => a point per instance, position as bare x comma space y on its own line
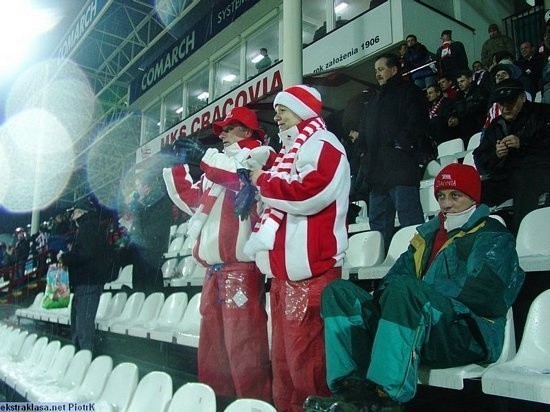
351, 43
221, 15
88, 15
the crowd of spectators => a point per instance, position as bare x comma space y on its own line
460, 102
389, 135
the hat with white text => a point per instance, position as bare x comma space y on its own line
458, 176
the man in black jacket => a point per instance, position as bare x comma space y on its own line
471, 107
394, 134
86, 261
152, 219
515, 150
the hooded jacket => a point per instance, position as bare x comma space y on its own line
477, 269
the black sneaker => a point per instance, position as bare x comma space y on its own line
346, 390
321, 403
377, 405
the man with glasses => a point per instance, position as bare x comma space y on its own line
233, 355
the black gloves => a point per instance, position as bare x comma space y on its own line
188, 150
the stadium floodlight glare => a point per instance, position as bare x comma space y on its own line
18, 37
257, 58
203, 96
340, 7
179, 110
229, 77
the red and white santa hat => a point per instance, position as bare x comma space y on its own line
303, 100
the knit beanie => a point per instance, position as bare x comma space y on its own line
461, 177
303, 100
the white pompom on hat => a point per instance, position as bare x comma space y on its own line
303, 100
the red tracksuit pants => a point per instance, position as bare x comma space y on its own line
298, 343
233, 355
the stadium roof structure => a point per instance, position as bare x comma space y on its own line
111, 41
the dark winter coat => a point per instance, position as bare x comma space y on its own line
394, 135
87, 259
532, 126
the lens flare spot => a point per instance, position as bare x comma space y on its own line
40, 160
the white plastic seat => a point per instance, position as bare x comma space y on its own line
120, 387
364, 249
469, 160
430, 206
187, 246
72, 379
185, 268
91, 387
182, 229
473, 141
533, 240
499, 219
168, 268
152, 394
187, 332
363, 215
193, 397
53, 374
149, 311
175, 247
197, 277
453, 378
450, 148
103, 306
8, 368
46, 358
398, 245
250, 405
131, 309
11, 346
20, 352
432, 169
190, 273
36, 304
170, 315
526, 376
124, 279
115, 308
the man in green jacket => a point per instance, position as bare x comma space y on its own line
442, 304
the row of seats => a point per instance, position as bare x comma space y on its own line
42, 371
365, 257
174, 319
448, 152
182, 272
523, 375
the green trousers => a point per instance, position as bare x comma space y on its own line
385, 341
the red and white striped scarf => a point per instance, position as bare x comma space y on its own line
263, 233
446, 49
435, 108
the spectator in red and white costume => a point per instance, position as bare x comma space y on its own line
233, 354
301, 240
